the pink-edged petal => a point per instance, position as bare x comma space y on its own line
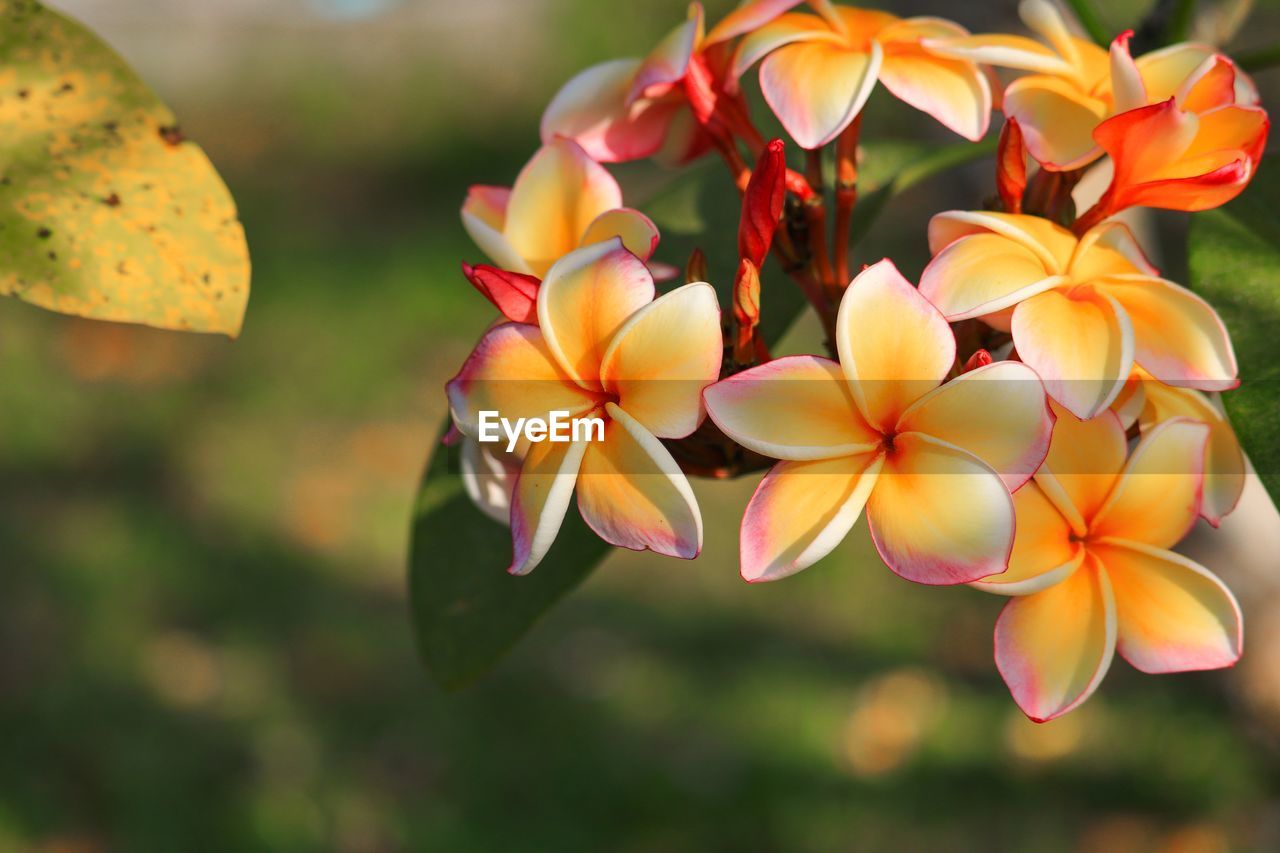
816, 88
540, 499
489, 477
748, 17
639, 234
1109, 249
585, 298
894, 345
984, 273
798, 408
1157, 497
1048, 241
803, 510
634, 495
483, 215
1178, 337
556, 196
953, 91
938, 515
488, 204
1003, 51
1057, 120
663, 271
1054, 647
1081, 345
592, 110
512, 372
999, 413
1173, 614
1085, 459
663, 356
667, 63
782, 31
1044, 552
1224, 467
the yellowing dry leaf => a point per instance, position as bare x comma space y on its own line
106, 211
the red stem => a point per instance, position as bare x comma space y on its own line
846, 197
815, 214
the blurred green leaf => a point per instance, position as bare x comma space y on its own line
106, 211
1091, 21
1235, 264
467, 611
895, 167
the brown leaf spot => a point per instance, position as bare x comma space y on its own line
172, 134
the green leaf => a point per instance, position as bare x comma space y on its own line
467, 611
106, 211
1091, 21
1235, 264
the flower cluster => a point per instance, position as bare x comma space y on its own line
1035, 418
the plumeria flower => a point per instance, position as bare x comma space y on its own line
489, 475
818, 70
1083, 311
1149, 403
1069, 91
933, 463
1194, 150
603, 347
562, 199
628, 109
1091, 570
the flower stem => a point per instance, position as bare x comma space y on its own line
846, 197
815, 213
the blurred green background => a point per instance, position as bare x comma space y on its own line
204, 634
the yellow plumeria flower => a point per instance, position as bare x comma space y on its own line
1149, 403
562, 199
605, 348
1083, 311
1091, 571
1070, 90
819, 70
933, 463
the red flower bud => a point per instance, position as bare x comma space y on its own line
1011, 166
762, 204
981, 358
512, 293
696, 268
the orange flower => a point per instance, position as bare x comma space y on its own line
818, 70
1091, 571
1196, 150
